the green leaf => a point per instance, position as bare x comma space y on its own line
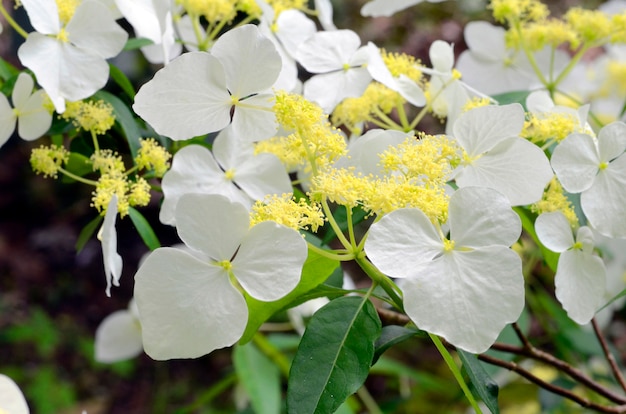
260, 378
392, 335
334, 356
512, 97
7, 70
120, 78
87, 232
316, 270
484, 386
136, 43
124, 118
144, 229
79, 164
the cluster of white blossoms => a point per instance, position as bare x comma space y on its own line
248, 134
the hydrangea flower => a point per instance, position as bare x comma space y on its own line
580, 276
12, 400
495, 156
29, 113
192, 304
68, 53
232, 169
596, 168
108, 237
118, 337
465, 288
196, 92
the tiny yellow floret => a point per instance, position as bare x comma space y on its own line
66, 9
47, 160
93, 116
153, 156
106, 187
139, 194
554, 199
283, 209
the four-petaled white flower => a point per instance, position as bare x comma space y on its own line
495, 156
597, 169
32, 118
196, 93
580, 275
118, 337
108, 237
192, 304
69, 60
465, 288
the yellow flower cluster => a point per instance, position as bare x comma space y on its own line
518, 10
212, 10
66, 9
377, 99
547, 127
281, 5
283, 209
475, 102
152, 156
402, 64
93, 116
554, 199
47, 160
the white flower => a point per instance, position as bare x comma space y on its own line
188, 306
32, 118
376, 8
12, 400
108, 237
467, 288
118, 337
232, 170
324, 9
69, 59
195, 93
364, 151
597, 169
580, 275
339, 64
496, 157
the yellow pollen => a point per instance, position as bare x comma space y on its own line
63, 35
603, 165
346, 66
448, 245
230, 174
225, 264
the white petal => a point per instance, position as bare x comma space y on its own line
22, 90
187, 308
34, 119
410, 91
43, 15
186, 98
441, 56
575, 161
377, 8
12, 400
211, 224
250, 60
328, 89
263, 175
7, 120
118, 337
485, 40
612, 141
108, 237
480, 129
539, 102
364, 151
328, 51
254, 124
401, 241
480, 217
467, 297
94, 29
269, 262
580, 282
324, 10
554, 231
141, 14
293, 28
515, 167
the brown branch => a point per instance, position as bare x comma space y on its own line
609, 356
583, 402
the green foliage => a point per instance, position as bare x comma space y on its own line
144, 229
259, 377
483, 385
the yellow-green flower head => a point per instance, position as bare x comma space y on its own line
341, 186
518, 10
295, 113
402, 64
107, 186
354, 111
212, 10
152, 156
551, 126
288, 149
475, 102
107, 162
590, 25
139, 194
250, 7
47, 160
93, 116
549, 32
67, 9
618, 28
280, 6
283, 209
554, 199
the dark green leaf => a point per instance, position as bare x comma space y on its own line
78, 164
120, 78
392, 335
316, 270
137, 42
484, 386
334, 356
87, 232
7, 70
144, 229
124, 118
512, 97
259, 377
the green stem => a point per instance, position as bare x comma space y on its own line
272, 353
455, 371
368, 401
334, 225
77, 177
331, 254
379, 278
12, 22
351, 229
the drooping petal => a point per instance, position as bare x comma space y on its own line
554, 231
401, 241
580, 283
187, 308
93, 29
108, 237
118, 337
480, 216
186, 98
12, 399
467, 297
211, 224
575, 161
269, 262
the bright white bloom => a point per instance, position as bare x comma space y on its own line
496, 157
339, 64
324, 9
32, 118
465, 288
118, 337
188, 306
376, 8
196, 92
69, 59
232, 170
12, 400
581, 276
597, 169
401, 84
108, 237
